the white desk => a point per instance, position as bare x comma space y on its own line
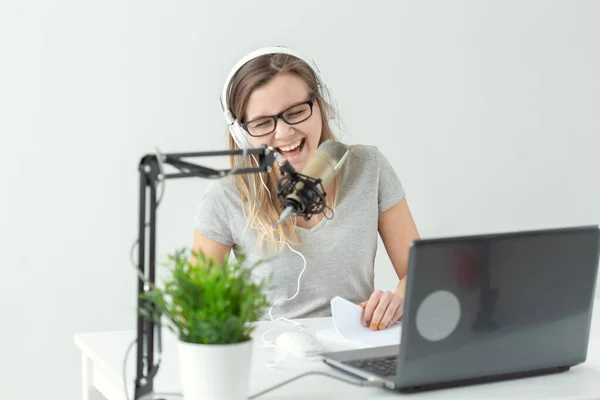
103, 354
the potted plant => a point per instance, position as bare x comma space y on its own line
211, 307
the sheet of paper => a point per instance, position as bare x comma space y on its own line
347, 321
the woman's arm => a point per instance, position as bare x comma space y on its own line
210, 248
397, 229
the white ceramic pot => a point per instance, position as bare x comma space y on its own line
215, 371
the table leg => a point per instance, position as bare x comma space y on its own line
86, 377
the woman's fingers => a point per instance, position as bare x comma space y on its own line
384, 302
370, 307
382, 310
393, 312
399, 313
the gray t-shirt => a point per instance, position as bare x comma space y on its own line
339, 252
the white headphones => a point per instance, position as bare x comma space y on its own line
237, 132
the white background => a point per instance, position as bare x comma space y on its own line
488, 111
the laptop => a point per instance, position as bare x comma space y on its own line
486, 308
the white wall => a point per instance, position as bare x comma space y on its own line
488, 110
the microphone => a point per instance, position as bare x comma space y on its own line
304, 193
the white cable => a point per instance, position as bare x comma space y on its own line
295, 294
262, 180
267, 343
365, 383
298, 326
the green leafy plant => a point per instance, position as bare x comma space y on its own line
207, 302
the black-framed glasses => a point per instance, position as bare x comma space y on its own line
294, 115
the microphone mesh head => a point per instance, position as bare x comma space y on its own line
334, 148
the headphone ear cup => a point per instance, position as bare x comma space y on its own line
238, 135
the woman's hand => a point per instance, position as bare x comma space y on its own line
384, 309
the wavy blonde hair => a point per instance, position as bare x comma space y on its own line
252, 75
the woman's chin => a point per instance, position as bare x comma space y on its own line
298, 165
300, 162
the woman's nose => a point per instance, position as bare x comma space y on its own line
283, 130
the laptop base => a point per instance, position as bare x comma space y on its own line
481, 380
390, 385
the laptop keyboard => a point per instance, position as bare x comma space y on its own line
381, 366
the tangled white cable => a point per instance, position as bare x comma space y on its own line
298, 326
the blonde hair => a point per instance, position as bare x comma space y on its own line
254, 74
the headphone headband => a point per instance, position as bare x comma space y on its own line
229, 117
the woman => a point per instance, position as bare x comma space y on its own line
278, 100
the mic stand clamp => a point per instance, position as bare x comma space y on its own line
295, 190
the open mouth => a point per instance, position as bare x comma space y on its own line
292, 150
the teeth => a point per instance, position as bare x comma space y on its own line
291, 147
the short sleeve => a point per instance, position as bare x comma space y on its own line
212, 217
390, 189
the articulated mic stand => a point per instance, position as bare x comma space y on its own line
151, 173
